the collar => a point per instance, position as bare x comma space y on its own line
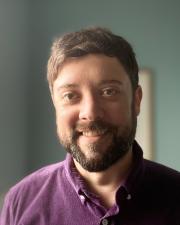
137, 170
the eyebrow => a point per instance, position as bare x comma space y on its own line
66, 86
111, 82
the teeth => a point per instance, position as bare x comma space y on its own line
93, 133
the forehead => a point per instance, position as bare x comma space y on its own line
94, 68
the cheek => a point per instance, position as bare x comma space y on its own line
65, 120
120, 114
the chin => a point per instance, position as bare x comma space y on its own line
94, 160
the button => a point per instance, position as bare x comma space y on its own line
104, 222
128, 197
83, 198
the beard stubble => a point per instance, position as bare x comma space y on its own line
122, 138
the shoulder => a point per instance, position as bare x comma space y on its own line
38, 181
33, 192
161, 172
162, 179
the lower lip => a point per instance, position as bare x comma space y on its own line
91, 138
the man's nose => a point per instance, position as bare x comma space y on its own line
91, 109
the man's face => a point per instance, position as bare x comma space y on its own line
95, 110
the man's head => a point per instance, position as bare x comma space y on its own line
92, 41
93, 77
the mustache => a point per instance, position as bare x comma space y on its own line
97, 125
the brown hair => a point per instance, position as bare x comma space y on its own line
95, 40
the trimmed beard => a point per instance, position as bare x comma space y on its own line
121, 141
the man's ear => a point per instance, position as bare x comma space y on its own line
137, 99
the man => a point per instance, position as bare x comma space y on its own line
93, 80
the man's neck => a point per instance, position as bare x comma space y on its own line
105, 183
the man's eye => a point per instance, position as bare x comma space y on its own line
108, 92
70, 96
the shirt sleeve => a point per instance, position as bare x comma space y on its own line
6, 216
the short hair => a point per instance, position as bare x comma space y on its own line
95, 40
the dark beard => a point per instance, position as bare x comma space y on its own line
122, 139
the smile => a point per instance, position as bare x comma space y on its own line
94, 133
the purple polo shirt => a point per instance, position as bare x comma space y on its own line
57, 195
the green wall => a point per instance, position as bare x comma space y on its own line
13, 86
153, 29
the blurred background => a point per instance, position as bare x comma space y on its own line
27, 28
